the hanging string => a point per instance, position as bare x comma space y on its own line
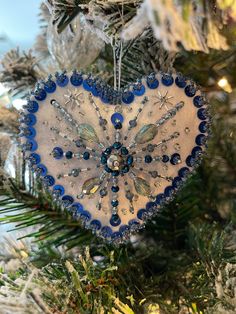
117, 46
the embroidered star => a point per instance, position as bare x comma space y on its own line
163, 100
74, 98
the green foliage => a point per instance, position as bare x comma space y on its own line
184, 261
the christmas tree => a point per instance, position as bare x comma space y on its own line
183, 261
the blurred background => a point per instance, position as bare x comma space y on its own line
185, 260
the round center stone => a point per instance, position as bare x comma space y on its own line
114, 162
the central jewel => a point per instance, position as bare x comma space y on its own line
116, 159
114, 162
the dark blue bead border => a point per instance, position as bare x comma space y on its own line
127, 96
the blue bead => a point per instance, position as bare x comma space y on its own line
202, 114
127, 97
34, 159
117, 117
59, 189
203, 127
148, 159
180, 81
85, 215
138, 89
125, 169
86, 155
190, 161
117, 145
152, 82
201, 139
130, 160
141, 212
169, 191
62, 80
104, 98
67, 200
114, 203
40, 94
124, 229
183, 172
160, 199
103, 159
108, 150
32, 106
43, 170
198, 101
167, 80
78, 143
165, 158
116, 235
124, 151
77, 208
177, 182
69, 154
175, 159
95, 91
190, 90
107, 169
32, 145
118, 126
76, 79
150, 205
30, 132
29, 119
106, 232
57, 152
115, 189
48, 180
95, 224
88, 84
196, 151
134, 222
115, 173
115, 220
50, 86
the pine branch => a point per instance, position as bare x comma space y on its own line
20, 71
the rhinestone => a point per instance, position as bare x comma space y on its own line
154, 174
129, 195
69, 155
75, 172
150, 148
103, 192
177, 146
148, 159
132, 123
187, 130
86, 155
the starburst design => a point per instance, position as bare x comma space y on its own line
74, 97
163, 100
119, 160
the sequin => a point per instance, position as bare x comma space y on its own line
117, 117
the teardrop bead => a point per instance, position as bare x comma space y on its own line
87, 133
141, 186
146, 134
91, 186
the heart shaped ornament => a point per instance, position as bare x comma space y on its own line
113, 159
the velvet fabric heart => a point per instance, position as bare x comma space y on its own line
113, 159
